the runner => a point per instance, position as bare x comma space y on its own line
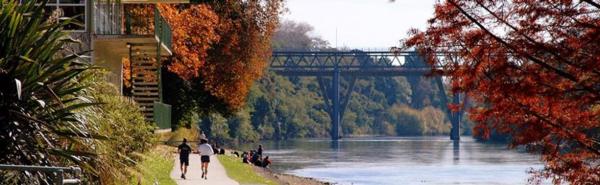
184, 157
205, 151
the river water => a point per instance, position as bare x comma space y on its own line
402, 160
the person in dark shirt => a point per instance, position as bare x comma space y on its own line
260, 150
184, 151
222, 151
215, 148
255, 158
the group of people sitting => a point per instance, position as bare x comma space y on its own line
255, 157
217, 149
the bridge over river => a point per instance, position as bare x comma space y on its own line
330, 66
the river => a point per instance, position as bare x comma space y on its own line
402, 160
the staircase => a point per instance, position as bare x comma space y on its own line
145, 87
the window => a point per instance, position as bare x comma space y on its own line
70, 8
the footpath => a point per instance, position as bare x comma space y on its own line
216, 173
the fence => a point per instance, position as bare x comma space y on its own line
59, 179
162, 115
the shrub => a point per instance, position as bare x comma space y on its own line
39, 96
120, 120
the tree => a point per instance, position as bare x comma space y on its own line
241, 56
534, 69
297, 35
194, 30
224, 43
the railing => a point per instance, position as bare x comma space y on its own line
114, 18
162, 30
353, 63
137, 21
162, 115
59, 179
107, 17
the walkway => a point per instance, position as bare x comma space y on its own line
216, 173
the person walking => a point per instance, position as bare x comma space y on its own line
184, 151
205, 151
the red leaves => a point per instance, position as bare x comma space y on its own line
533, 68
194, 30
224, 45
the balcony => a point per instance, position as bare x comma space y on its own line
123, 24
122, 29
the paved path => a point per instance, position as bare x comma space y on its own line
216, 173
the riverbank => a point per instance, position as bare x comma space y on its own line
250, 174
282, 178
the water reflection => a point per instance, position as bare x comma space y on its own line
335, 145
404, 160
456, 151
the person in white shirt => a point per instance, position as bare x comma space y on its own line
205, 151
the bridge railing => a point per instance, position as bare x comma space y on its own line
59, 177
346, 59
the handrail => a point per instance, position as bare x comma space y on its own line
132, 24
162, 30
59, 179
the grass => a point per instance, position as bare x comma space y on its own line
241, 172
156, 165
175, 138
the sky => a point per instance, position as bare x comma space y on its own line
361, 24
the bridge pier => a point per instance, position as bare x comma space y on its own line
335, 101
335, 116
455, 119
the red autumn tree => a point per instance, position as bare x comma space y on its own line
224, 43
534, 69
241, 55
194, 30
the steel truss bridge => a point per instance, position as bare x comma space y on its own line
330, 66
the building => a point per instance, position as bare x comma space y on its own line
131, 39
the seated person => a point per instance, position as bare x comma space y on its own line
255, 157
215, 148
266, 162
258, 162
245, 157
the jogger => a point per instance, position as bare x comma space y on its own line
205, 151
184, 157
